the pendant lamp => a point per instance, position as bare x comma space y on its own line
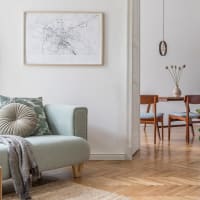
163, 43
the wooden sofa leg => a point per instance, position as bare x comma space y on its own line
0, 184
77, 170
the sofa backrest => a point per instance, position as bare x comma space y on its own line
67, 120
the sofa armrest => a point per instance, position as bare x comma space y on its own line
67, 120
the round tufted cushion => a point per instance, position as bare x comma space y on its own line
17, 119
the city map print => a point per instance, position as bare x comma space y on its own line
63, 38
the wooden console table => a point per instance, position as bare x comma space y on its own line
0, 183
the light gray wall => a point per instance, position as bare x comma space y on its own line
102, 89
182, 22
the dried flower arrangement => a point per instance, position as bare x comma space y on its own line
176, 73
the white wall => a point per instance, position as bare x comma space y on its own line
102, 89
182, 21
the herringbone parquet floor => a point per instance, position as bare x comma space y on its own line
157, 172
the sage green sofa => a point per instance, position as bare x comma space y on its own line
66, 146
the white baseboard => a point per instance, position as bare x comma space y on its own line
108, 156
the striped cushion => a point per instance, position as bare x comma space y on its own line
183, 114
17, 119
149, 115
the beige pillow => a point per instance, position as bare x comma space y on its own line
17, 119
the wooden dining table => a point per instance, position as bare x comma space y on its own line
168, 98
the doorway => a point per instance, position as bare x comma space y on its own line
133, 74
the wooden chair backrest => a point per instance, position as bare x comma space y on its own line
192, 99
148, 99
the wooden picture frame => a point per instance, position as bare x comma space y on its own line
63, 38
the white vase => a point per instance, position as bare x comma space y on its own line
176, 91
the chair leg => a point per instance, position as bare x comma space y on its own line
192, 128
158, 130
145, 125
162, 130
187, 134
169, 129
155, 133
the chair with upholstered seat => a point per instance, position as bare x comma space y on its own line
187, 116
151, 117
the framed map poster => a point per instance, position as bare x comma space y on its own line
63, 38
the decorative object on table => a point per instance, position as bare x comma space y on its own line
176, 73
63, 38
163, 43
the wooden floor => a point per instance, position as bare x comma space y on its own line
157, 172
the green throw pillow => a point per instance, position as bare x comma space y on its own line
35, 103
4, 100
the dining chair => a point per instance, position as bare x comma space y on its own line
187, 116
151, 116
